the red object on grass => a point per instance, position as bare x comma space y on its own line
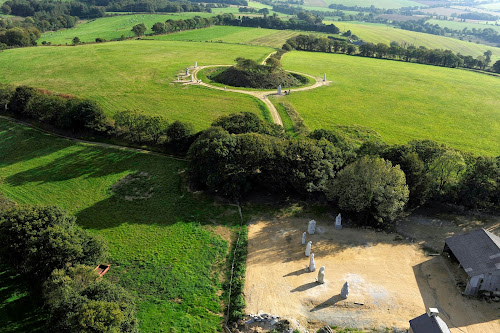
102, 269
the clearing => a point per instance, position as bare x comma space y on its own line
393, 279
135, 74
164, 241
401, 101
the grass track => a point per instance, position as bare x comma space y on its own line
159, 249
401, 101
379, 33
133, 75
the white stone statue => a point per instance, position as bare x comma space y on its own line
195, 64
321, 275
308, 248
187, 71
338, 222
177, 79
279, 89
324, 77
344, 293
311, 228
304, 238
312, 264
192, 77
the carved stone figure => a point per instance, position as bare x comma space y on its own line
324, 77
279, 89
344, 293
308, 248
187, 71
311, 228
321, 275
312, 264
338, 222
304, 238
195, 64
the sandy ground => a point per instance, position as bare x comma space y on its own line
393, 279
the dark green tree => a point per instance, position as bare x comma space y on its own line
139, 29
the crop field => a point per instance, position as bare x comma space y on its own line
111, 27
162, 248
365, 3
234, 35
460, 25
379, 33
134, 75
489, 6
401, 101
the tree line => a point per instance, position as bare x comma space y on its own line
57, 257
85, 118
240, 154
394, 51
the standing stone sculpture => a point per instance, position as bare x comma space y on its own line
279, 89
177, 79
312, 264
311, 228
344, 293
195, 64
304, 238
338, 222
308, 248
187, 71
324, 77
321, 275
192, 77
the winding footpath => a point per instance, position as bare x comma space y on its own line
262, 95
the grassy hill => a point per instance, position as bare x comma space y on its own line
401, 101
460, 25
111, 27
162, 249
134, 75
379, 33
365, 3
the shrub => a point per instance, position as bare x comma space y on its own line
20, 100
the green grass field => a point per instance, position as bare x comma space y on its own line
460, 25
134, 75
111, 27
387, 4
379, 33
401, 101
163, 248
234, 35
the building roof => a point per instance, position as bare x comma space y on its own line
477, 251
427, 324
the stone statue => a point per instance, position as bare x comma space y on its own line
177, 79
304, 238
279, 89
345, 291
187, 71
324, 77
311, 228
195, 64
312, 264
338, 222
308, 248
321, 275
192, 77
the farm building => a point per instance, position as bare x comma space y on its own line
429, 323
478, 253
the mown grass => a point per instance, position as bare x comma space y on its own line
401, 101
455, 25
234, 35
134, 75
163, 249
379, 33
112, 27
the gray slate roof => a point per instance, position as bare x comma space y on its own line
426, 324
477, 251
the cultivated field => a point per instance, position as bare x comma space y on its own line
378, 33
111, 27
234, 35
455, 25
390, 280
387, 4
134, 75
401, 101
162, 249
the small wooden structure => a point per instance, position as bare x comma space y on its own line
102, 269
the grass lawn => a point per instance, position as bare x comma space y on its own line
235, 35
379, 33
460, 25
112, 27
134, 74
164, 248
401, 101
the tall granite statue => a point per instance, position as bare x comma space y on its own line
304, 238
321, 275
338, 222
344, 293
279, 89
187, 71
195, 64
312, 264
311, 228
308, 248
324, 77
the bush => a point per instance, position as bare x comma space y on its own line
20, 100
6, 94
246, 122
100, 40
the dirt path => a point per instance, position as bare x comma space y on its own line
263, 95
100, 144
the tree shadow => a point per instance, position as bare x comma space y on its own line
329, 302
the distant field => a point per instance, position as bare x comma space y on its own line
162, 249
460, 25
134, 75
365, 3
234, 35
111, 27
401, 101
489, 6
379, 33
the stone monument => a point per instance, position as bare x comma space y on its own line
187, 71
324, 77
312, 264
195, 64
321, 275
344, 293
308, 248
192, 77
279, 89
338, 222
311, 228
304, 238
